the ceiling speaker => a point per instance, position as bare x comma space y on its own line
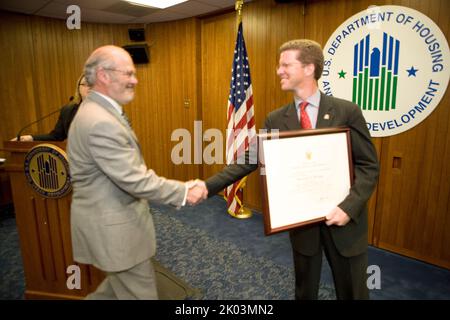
136, 34
138, 52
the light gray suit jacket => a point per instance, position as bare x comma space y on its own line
111, 224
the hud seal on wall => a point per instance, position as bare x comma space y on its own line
393, 62
47, 171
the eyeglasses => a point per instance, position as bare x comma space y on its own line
128, 74
286, 65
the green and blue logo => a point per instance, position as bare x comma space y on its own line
393, 62
375, 74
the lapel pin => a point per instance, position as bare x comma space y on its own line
326, 116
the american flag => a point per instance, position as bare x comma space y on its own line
241, 122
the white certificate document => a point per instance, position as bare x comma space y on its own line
306, 176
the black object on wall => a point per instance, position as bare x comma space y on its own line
136, 34
138, 52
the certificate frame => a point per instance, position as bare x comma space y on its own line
306, 155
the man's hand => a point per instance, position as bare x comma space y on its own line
338, 217
24, 138
197, 191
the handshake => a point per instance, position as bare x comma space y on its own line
197, 191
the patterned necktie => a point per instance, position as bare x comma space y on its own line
305, 122
124, 115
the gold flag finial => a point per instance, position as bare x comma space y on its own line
238, 8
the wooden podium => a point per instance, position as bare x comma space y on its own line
44, 231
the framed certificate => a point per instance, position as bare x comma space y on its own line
304, 175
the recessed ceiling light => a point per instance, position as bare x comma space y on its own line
161, 4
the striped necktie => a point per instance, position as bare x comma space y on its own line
124, 115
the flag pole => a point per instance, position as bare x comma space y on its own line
243, 213
238, 7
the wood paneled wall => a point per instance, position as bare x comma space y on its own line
43, 59
168, 94
413, 205
17, 86
188, 79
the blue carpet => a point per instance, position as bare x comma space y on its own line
228, 258
220, 268
12, 279
402, 278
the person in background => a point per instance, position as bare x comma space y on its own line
61, 129
343, 236
111, 222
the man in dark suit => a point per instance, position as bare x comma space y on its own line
343, 236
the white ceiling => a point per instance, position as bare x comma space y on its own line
115, 11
